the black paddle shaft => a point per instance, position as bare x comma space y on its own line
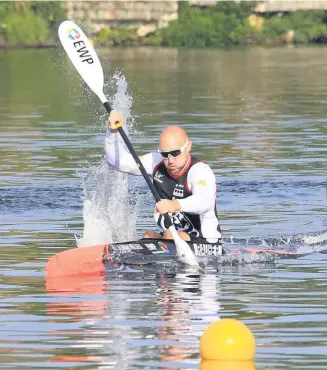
139, 165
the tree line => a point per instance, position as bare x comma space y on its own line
35, 23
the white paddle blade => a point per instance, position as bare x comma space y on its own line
183, 250
83, 56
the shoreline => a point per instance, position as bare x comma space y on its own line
225, 26
20, 47
140, 45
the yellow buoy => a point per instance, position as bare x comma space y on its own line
228, 340
226, 365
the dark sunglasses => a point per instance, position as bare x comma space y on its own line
173, 153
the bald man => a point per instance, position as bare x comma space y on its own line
186, 186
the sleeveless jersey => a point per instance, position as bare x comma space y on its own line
194, 188
176, 187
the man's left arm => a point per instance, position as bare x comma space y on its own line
202, 183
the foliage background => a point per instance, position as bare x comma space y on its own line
34, 23
30, 23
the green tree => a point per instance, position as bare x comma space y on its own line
239, 9
51, 11
6, 7
308, 26
30, 22
25, 29
222, 25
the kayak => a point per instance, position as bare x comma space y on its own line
96, 258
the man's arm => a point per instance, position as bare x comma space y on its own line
202, 183
118, 155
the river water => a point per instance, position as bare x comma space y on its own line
257, 116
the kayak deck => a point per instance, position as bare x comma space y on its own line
164, 247
93, 259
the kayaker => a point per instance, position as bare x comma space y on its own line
187, 186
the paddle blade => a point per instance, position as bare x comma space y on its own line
83, 56
76, 261
184, 252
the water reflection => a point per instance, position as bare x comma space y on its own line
153, 321
227, 365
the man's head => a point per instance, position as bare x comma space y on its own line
175, 148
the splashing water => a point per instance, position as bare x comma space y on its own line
121, 100
108, 212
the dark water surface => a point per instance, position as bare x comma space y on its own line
258, 117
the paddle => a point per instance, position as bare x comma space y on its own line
86, 61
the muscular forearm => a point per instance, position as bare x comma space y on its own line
168, 206
196, 204
119, 157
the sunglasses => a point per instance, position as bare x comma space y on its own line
173, 153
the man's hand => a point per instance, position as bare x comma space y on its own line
167, 206
114, 117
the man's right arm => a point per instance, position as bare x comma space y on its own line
118, 155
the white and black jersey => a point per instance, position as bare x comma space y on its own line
194, 188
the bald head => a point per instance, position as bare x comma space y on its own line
172, 137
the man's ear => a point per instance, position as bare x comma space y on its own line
189, 145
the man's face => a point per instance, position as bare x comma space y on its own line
175, 159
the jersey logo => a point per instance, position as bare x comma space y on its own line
158, 176
201, 183
183, 223
178, 192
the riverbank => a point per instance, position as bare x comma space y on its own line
30, 23
224, 25
48, 45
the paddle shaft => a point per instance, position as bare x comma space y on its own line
139, 165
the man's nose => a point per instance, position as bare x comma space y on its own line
170, 159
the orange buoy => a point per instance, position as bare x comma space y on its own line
226, 365
227, 340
